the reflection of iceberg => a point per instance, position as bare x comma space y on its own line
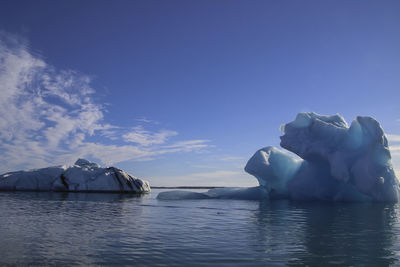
251, 193
339, 163
83, 176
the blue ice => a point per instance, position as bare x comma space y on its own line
335, 163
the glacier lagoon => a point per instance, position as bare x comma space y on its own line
355, 220
53, 228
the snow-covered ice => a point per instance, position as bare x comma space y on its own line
83, 176
337, 163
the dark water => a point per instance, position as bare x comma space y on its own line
100, 229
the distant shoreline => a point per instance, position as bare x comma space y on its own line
186, 187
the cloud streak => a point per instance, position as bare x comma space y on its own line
394, 146
394, 143
145, 138
216, 178
395, 138
47, 116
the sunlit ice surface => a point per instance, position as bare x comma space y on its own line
336, 162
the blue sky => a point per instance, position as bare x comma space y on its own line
184, 92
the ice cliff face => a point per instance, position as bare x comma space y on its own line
83, 176
339, 162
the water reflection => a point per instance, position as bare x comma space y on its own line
103, 229
47, 228
317, 234
70, 196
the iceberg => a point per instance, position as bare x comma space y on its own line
83, 176
336, 162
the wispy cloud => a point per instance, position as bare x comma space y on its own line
188, 145
393, 137
47, 116
394, 146
215, 178
142, 137
145, 120
395, 149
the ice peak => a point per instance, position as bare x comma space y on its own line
85, 163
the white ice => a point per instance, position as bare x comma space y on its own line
83, 176
337, 163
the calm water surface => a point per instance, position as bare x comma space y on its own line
111, 229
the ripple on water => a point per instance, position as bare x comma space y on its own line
104, 229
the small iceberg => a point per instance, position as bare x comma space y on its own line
337, 163
83, 176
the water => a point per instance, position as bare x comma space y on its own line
111, 229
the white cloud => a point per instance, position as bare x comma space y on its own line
395, 149
214, 178
145, 120
47, 117
397, 172
395, 153
146, 138
393, 137
188, 145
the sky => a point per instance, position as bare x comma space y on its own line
184, 92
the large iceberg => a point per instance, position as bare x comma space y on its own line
83, 176
337, 163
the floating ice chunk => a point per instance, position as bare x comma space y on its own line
358, 155
41, 179
83, 176
273, 168
338, 163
